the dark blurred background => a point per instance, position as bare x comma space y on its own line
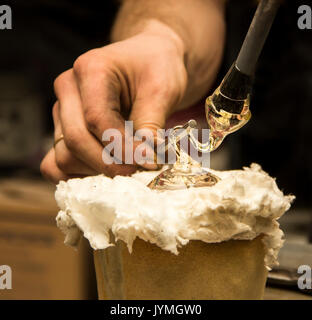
47, 37
280, 131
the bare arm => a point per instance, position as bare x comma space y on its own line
164, 56
199, 25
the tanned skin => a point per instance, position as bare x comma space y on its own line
164, 56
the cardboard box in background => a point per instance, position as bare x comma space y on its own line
31, 244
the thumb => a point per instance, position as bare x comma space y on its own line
148, 117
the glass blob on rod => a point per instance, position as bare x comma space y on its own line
186, 172
227, 109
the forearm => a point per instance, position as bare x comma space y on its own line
199, 24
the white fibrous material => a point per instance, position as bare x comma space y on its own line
242, 205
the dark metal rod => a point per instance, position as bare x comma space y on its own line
256, 36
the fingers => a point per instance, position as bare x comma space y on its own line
50, 170
68, 163
64, 159
100, 90
153, 117
77, 138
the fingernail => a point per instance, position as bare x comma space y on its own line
150, 166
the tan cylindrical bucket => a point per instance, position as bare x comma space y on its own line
228, 270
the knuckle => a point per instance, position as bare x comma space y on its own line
60, 81
92, 119
73, 137
176, 94
45, 169
172, 93
163, 92
79, 64
93, 62
55, 110
87, 62
57, 83
64, 162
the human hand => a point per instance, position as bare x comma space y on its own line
142, 78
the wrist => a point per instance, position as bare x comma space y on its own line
157, 29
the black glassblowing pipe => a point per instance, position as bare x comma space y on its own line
236, 85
